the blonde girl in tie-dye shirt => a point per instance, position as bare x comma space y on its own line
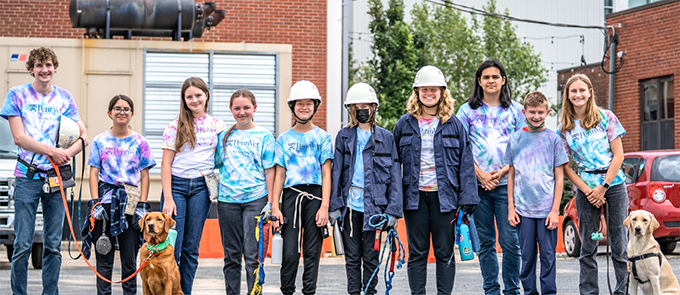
245, 157
592, 136
189, 144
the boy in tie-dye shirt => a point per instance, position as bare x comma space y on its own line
536, 157
34, 111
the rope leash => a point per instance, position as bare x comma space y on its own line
259, 272
298, 210
70, 225
396, 249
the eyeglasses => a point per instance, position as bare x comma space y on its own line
125, 110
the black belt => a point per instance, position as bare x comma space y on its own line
28, 166
640, 257
596, 171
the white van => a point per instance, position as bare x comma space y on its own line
8, 161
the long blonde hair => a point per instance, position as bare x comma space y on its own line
591, 117
444, 111
186, 133
245, 93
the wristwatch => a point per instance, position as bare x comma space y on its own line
605, 185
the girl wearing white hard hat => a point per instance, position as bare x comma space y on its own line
303, 172
438, 178
189, 144
245, 158
120, 160
367, 182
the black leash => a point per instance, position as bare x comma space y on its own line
80, 197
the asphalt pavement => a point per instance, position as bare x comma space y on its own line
77, 279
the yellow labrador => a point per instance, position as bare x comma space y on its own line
647, 266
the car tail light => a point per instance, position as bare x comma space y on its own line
656, 192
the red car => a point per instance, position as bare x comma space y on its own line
653, 184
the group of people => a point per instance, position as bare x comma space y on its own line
494, 161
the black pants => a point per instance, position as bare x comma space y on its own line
419, 224
311, 239
128, 244
358, 247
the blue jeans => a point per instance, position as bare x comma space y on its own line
27, 195
494, 204
190, 196
237, 228
589, 222
530, 231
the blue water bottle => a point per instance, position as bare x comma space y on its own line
465, 245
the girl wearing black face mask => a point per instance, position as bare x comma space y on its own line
365, 157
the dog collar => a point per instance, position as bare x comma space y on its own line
159, 247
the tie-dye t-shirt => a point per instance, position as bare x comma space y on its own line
199, 161
356, 198
120, 160
591, 149
248, 153
41, 115
489, 129
428, 175
535, 155
302, 154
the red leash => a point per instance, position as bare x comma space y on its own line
70, 225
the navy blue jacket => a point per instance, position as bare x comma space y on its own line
382, 188
454, 164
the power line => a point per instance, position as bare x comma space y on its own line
472, 10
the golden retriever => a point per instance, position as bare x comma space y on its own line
651, 273
160, 276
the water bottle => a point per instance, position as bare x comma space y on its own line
277, 247
337, 240
465, 246
172, 234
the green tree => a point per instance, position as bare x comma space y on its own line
394, 62
522, 65
443, 38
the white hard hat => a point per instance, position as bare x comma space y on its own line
69, 132
304, 89
429, 76
361, 93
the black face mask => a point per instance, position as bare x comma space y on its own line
363, 115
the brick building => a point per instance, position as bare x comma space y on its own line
264, 46
594, 72
644, 89
302, 24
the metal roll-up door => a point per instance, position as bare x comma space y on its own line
256, 73
164, 74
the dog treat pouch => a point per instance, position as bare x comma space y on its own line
133, 195
52, 181
213, 185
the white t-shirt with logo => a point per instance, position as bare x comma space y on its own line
199, 161
428, 174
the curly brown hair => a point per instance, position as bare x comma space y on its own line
41, 55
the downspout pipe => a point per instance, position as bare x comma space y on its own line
614, 39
